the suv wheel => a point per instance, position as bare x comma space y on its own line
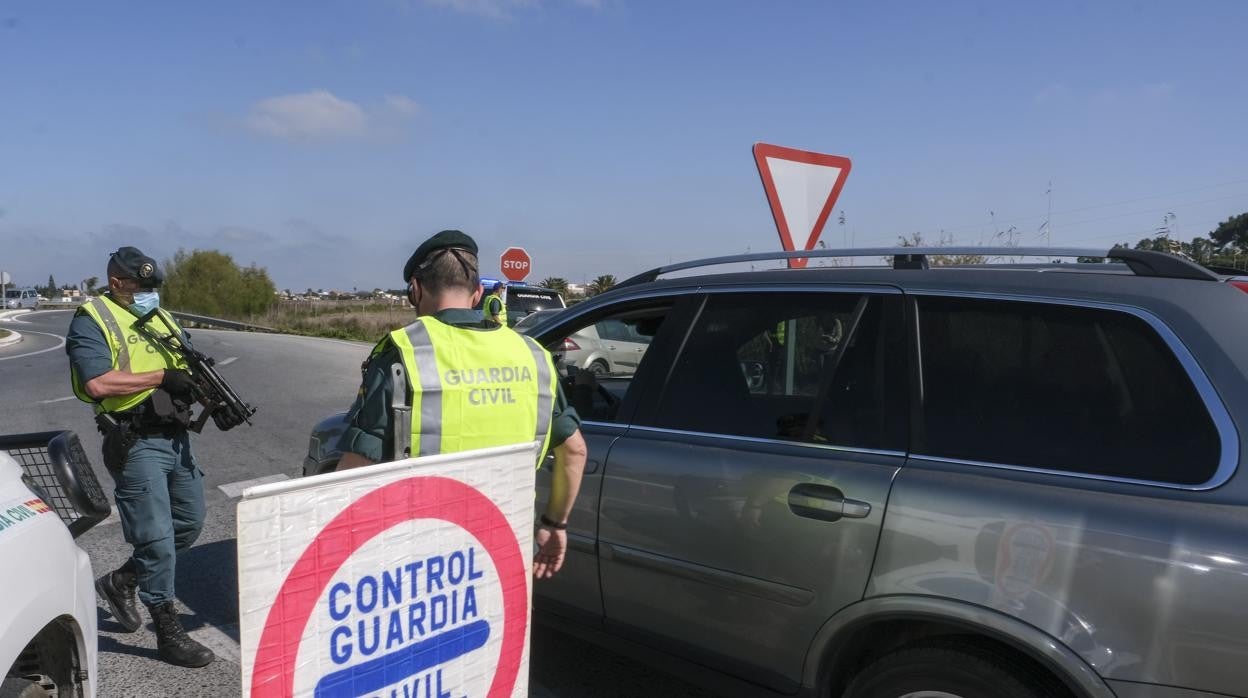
947, 670
14, 687
599, 368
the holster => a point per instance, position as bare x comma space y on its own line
119, 437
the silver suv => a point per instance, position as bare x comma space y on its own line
22, 298
1014, 480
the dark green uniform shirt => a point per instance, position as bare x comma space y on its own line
369, 432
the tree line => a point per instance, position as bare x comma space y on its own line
600, 284
211, 283
1226, 245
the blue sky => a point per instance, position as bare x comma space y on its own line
325, 140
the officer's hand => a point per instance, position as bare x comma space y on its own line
552, 546
225, 419
179, 383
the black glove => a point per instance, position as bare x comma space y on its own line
225, 419
179, 383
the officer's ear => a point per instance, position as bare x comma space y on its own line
476, 297
117, 284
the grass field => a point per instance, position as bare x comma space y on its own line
367, 322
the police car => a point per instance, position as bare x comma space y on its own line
522, 298
48, 496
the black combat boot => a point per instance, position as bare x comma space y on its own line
174, 645
118, 589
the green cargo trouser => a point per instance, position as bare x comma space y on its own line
160, 500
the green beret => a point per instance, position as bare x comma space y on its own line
446, 239
138, 266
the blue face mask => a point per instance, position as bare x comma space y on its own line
145, 302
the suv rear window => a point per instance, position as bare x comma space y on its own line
530, 300
1058, 387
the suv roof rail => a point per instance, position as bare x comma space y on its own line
1142, 262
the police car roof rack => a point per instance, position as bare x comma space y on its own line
1141, 262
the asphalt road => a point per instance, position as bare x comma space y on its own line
294, 381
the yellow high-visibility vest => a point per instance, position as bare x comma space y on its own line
496, 302
474, 389
132, 351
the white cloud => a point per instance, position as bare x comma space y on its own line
311, 115
319, 115
402, 106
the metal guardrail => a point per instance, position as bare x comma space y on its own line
60, 303
200, 320
205, 320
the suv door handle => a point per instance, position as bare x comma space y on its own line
825, 503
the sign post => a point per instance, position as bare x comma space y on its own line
399, 579
801, 187
515, 263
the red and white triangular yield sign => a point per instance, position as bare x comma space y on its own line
802, 187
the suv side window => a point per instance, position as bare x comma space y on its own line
1084, 390
598, 398
793, 367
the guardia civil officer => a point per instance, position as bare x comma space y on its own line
495, 306
447, 342
142, 395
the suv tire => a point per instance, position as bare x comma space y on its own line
599, 368
953, 669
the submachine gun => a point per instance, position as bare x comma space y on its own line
220, 401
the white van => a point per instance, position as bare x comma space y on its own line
48, 496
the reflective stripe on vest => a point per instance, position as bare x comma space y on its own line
474, 389
132, 351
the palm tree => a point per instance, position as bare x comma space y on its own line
555, 283
601, 284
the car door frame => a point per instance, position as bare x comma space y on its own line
649, 402
560, 595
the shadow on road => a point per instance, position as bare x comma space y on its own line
207, 584
109, 644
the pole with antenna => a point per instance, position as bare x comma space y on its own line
1048, 217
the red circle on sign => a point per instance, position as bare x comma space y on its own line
515, 263
406, 500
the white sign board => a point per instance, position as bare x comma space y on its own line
801, 188
399, 580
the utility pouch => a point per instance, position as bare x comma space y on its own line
165, 410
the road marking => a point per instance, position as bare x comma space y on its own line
219, 641
58, 399
41, 351
228, 361
235, 489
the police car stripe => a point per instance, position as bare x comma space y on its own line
430, 389
110, 323
545, 399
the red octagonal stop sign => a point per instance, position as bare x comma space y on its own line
516, 263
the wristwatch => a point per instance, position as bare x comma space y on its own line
549, 523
